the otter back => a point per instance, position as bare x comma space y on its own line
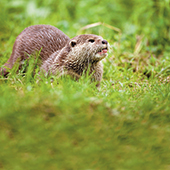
46, 38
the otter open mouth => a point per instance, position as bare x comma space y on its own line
103, 51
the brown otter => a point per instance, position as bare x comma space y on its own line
59, 53
75, 58
44, 38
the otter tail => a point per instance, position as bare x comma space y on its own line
3, 71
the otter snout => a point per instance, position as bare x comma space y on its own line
104, 42
105, 45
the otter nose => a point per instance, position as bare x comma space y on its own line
104, 42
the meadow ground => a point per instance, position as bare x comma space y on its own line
71, 125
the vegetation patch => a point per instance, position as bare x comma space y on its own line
67, 124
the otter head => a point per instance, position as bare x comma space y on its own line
89, 47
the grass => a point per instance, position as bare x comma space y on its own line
67, 124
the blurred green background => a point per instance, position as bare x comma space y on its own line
149, 18
71, 125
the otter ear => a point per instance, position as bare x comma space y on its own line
73, 43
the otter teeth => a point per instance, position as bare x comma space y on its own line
104, 50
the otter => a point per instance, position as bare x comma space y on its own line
44, 38
59, 53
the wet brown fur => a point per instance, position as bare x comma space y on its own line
58, 53
44, 38
75, 60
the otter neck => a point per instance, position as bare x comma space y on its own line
79, 65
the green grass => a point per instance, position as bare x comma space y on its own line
71, 125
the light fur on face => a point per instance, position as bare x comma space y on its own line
78, 55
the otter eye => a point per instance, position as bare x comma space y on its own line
91, 40
73, 43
